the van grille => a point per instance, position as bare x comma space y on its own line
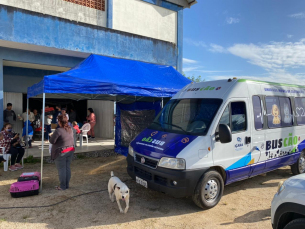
152, 163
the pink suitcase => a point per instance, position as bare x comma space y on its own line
30, 176
24, 188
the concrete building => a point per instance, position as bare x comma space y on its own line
42, 37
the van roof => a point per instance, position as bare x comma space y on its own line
270, 83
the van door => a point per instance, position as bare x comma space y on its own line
235, 156
258, 136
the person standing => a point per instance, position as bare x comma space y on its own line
9, 115
64, 112
57, 112
92, 120
37, 119
62, 151
72, 117
31, 116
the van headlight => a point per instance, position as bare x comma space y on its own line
130, 151
280, 187
172, 163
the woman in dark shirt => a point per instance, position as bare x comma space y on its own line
62, 151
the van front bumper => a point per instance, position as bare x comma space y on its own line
161, 179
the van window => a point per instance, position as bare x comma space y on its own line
258, 112
238, 116
286, 111
300, 110
225, 118
187, 116
273, 112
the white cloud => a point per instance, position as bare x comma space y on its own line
191, 69
272, 56
275, 57
189, 61
195, 43
297, 15
232, 20
217, 48
289, 35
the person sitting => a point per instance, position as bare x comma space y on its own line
30, 133
1, 157
11, 142
76, 127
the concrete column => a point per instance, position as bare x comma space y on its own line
1, 93
180, 41
109, 13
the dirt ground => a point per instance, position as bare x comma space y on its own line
245, 204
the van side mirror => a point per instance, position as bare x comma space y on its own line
225, 135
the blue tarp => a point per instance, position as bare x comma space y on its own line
134, 121
115, 77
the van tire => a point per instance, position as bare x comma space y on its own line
210, 180
299, 166
296, 224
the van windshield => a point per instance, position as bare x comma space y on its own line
187, 116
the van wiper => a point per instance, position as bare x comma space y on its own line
179, 127
158, 124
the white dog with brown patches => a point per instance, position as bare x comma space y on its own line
118, 191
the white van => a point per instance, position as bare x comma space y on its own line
214, 133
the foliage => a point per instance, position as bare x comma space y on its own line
195, 79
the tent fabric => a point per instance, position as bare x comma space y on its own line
102, 75
131, 119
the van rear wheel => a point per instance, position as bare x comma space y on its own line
299, 166
209, 190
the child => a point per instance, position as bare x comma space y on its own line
47, 125
1, 157
75, 126
30, 133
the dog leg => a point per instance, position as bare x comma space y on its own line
127, 205
119, 204
112, 197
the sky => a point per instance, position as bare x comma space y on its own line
255, 39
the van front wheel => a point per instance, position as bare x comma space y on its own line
209, 190
299, 166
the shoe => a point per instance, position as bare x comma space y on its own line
92, 137
12, 168
18, 166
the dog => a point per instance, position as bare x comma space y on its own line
118, 191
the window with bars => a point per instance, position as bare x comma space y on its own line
95, 4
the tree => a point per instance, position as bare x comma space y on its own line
195, 79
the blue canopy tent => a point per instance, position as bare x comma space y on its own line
106, 78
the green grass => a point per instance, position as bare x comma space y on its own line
80, 156
31, 159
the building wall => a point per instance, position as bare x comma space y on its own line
104, 111
53, 32
62, 9
142, 18
19, 79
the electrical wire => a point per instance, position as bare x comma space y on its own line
60, 202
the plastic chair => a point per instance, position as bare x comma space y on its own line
85, 129
6, 156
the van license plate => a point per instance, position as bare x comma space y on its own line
141, 182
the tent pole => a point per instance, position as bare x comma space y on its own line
42, 136
162, 102
27, 127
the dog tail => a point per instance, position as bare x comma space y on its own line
112, 175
